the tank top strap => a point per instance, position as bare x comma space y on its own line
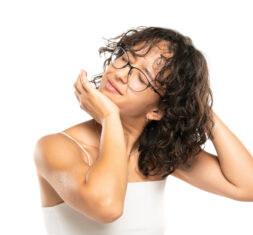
88, 156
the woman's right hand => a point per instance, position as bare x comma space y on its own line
91, 100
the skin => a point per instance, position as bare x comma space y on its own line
135, 107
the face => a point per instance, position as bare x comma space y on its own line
132, 103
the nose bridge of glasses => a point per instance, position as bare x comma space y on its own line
126, 58
123, 71
127, 63
123, 62
136, 69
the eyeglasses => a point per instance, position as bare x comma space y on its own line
136, 79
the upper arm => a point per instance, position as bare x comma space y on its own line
59, 160
206, 174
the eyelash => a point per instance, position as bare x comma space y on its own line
123, 58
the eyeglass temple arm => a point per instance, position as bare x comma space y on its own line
154, 89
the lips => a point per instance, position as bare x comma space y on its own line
114, 86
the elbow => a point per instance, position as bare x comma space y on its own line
244, 196
111, 216
103, 213
103, 210
247, 198
100, 209
111, 212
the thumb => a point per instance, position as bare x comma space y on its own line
85, 72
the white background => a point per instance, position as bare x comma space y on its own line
43, 46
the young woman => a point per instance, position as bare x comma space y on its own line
152, 113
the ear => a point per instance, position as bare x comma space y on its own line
155, 114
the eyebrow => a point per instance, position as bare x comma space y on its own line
146, 70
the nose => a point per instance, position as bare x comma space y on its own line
122, 73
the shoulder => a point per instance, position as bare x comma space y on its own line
59, 150
55, 151
84, 133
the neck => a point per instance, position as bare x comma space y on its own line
132, 131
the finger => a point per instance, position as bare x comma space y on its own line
84, 81
76, 88
79, 86
77, 96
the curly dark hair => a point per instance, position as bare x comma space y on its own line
176, 139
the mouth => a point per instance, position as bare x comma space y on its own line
111, 87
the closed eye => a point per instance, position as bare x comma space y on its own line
123, 58
141, 80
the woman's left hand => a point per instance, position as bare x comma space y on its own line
91, 100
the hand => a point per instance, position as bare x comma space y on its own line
91, 100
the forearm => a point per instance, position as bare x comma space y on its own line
235, 160
108, 175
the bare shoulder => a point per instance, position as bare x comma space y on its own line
84, 133
62, 171
56, 153
57, 143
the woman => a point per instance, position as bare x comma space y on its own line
152, 112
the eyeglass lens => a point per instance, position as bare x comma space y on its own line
136, 79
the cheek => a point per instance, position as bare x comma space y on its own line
137, 106
107, 74
103, 82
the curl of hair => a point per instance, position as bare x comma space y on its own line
176, 139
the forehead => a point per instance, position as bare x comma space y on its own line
151, 58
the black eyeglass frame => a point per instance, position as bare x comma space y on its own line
131, 67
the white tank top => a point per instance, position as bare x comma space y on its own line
143, 213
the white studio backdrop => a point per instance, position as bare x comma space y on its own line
43, 46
